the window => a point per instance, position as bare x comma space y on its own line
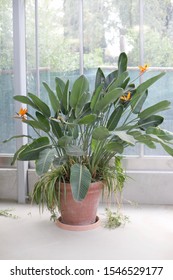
65, 38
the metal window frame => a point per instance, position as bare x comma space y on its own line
20, 89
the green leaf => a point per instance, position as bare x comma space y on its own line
36, 124
87, 119
43, 121
96, 96
80, 86
168, 149
100, 78
16, 136
151, 121
117, 83
124, 136
64, 140
15, 157
74, 151
100, 133
60, 86
110, 78
114, 147
161, 133
114, 118
137, 101
108, 99
80, 180
44, 161
25, 100
66, 98
40, 105
31, 151
56, 128
53, 100
158, 107
144, 86
122, 63
147, 140
84, 98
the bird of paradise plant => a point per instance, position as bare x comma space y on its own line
79, 132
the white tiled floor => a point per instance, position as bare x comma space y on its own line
149, 235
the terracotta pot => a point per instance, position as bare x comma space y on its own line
80, 212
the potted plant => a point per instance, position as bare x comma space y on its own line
79, 134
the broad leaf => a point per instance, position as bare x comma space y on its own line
122, 63
100, 78
80, 86
56, 128
110, 78
137, 101
53, 99
80, 180
96, 96
25, 100
87, 119
74, 151
64, 140
117, 83
43, 121
114, 147
108, 99
44, 161
114, 118
124, 136
156, 108
144, 86
60, 86
152, 121
66, 98
31, 151
36, 125
168, 149
40, 104
100, 133
161, 133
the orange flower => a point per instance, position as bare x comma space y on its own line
126, 97
143, 68
22, 112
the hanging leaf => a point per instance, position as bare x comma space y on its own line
44, 161
31, 151
124, 136
161, 133
80, 180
